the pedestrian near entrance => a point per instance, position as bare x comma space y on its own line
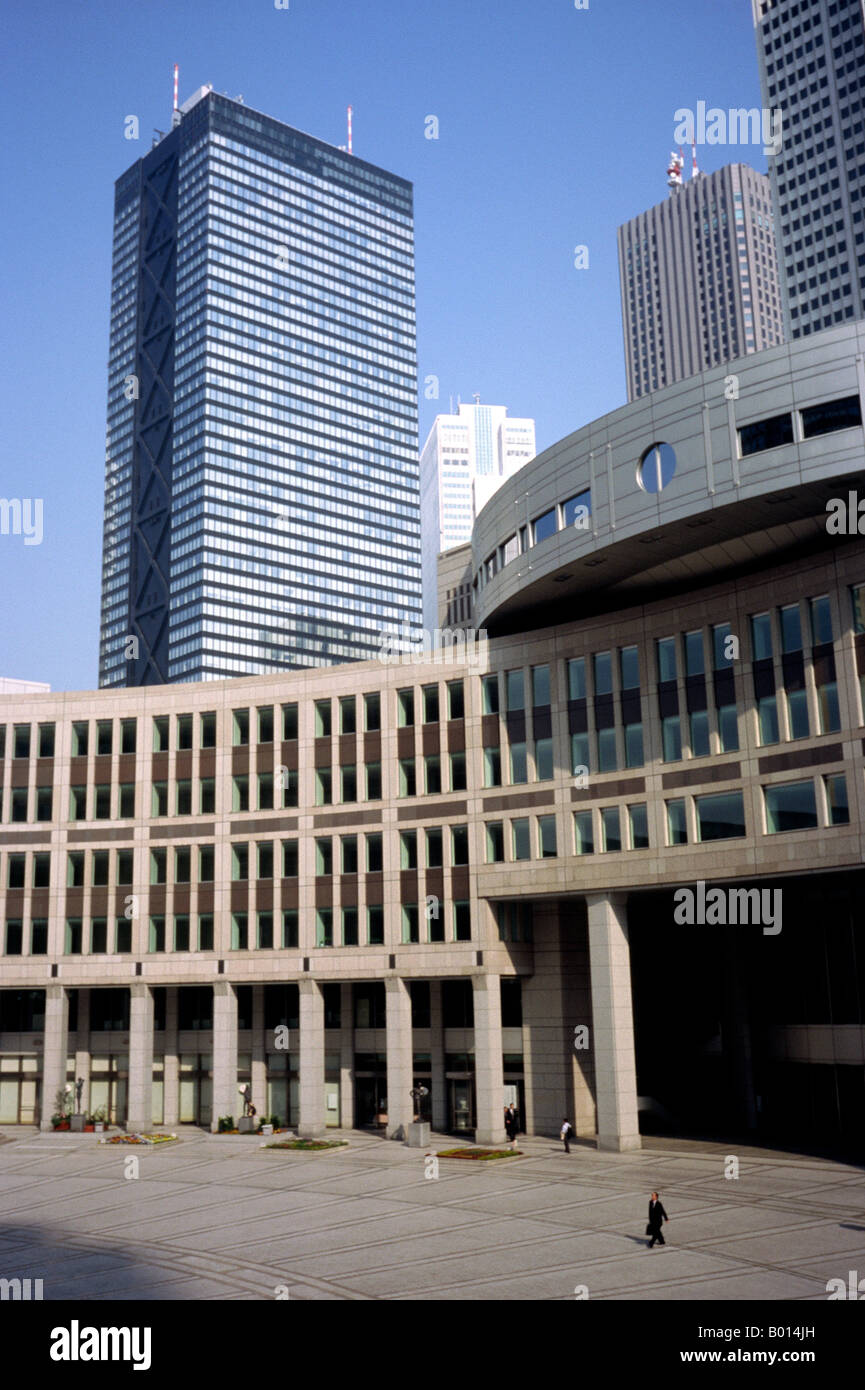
567, 1131
657, 1217
511, 1125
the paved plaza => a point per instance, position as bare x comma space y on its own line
219, 1217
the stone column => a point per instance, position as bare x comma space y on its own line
54, 1048
312, 1120
139, 1106
171, 1062
82, 1049
226, 1100
400, 1106
489, 1068
613, 1023
258, 1077
346, 1057
439, 1112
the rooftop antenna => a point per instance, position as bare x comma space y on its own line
176, 76
695, 172
349, 131
476, 397
674, 171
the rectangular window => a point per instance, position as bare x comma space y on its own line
577, 678
791, 806
458, 772
157, 934
289, 723
79, 739
78, 803
629, 668
75, 869
161, 733
767, 720
264, 931
374, 856
836, 799
239, 862
239, 931
240, 794
372, 712
580, 754
671, 732
323, 856
45, 803
519, 764
430, 696
797, 712
348, 854
408, 849
184, 798
607, 758
184, 731
694, 659
16, 870
765, 434
405, 708
761, 636
182, 864
821, 621
728, 728
456, 700
584, 836
289, 859
828, 709
207, 730
323, 786
181, 933
265, 723
128, 735
857, 599
540, 686
46, 741
791, 628
603, 673
434, 848
348, 779
264, 854
322, 718
515, 690
842, 414
19, 804
722, 647
39, 937
126, 807
432, 774
544, 759
677, 825
207, 796
73, 936
407, 778
638, 827
349, 926
206, 863
462, 921
372, 772
666, 651
634, 756
547, 840
410, 923
490, 693
493, 767
102, 803
324, 926
544, 526
720, 817
158, 866
375, 925
290, 935
699, 733
495, 840
347, 715
290, 782
521, 839
611, 832
42, 871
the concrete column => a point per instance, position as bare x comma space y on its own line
171, 1062
258, 1079
400, 1106
139, 1106
613, 1023
226, 1100
346, 1057
56, 1039
437, 1058
82, 1049
312, 1120
489, 1068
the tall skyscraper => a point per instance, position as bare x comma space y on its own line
812, 68
466, 457
699, 279
262, 487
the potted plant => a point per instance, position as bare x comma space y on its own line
225, 1124
99, 1117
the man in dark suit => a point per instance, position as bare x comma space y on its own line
657, 1216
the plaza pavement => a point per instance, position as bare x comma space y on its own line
219, 1217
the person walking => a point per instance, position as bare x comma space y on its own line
511, 1125
657, 1216
565, 1136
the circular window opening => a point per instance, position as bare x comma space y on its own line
656, 467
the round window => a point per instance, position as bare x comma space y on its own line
656, 467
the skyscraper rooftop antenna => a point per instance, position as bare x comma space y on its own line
176, 78
674, 171
349, 131
695, 171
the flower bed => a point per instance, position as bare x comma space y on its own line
479, 1155
139, 1139
308, 1145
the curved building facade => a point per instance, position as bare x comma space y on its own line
607, 862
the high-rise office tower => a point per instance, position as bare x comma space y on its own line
812, 70
699, 278
466, 457
262, 488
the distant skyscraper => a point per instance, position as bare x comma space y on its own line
812, 69
699, 279
467, 456
262, 493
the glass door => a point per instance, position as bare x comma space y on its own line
461, 1105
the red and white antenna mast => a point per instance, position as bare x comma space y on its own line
694, 169
176, 74
349, 130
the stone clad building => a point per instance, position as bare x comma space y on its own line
466, 870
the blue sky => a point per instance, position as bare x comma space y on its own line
554, 127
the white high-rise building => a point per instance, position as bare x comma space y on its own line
467, 456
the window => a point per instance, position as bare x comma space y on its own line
184, 798
544, 526
765, 434
638, 827
289, 929
462, 921
671, 733
519, 765
607, 759
408, 849
520, 838
348, 854
347, 715
372, 712
126, 807
323, 786
45, 803
160, 733
515, 690
404, 708
324, 927
721, 646
182, 864
207, 796
288, 779
495, 841
629, 668
584, 839
490, 687
239, 931
666, 652
373, 781
841, 414
324, 856
493, 767
374, 857
836, 800
264, 854
579, 753
322, 718
821, 621
611, 834
434, 848
181, 933
184, 731
348, 779
265, 724
205, 931
540, 686
792, 806
410, 923
16, 870
46, 741
456, 700
349, 926
264, 931
207, 729
206, 859
407, 779
102, 803
157, 934
41, 870
547, 842
544, 759
694, 660
78, 803
19, 803
791, 628
73, 936
430, 695
433, 773
239, 862
828, 709
458, 772
99, 868
79, 740
289, 723
761, 636
240, 794
75, 869
577, 510
289, 859
720, 817
767, 719
603, 673
857, 598
375, 925
699, 733
577, 678
634, 756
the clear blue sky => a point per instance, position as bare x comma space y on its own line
555, 127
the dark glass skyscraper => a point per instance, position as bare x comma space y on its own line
262, 494
812, 69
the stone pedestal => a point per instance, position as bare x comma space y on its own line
418, 1135
246, 1124
76, 1124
